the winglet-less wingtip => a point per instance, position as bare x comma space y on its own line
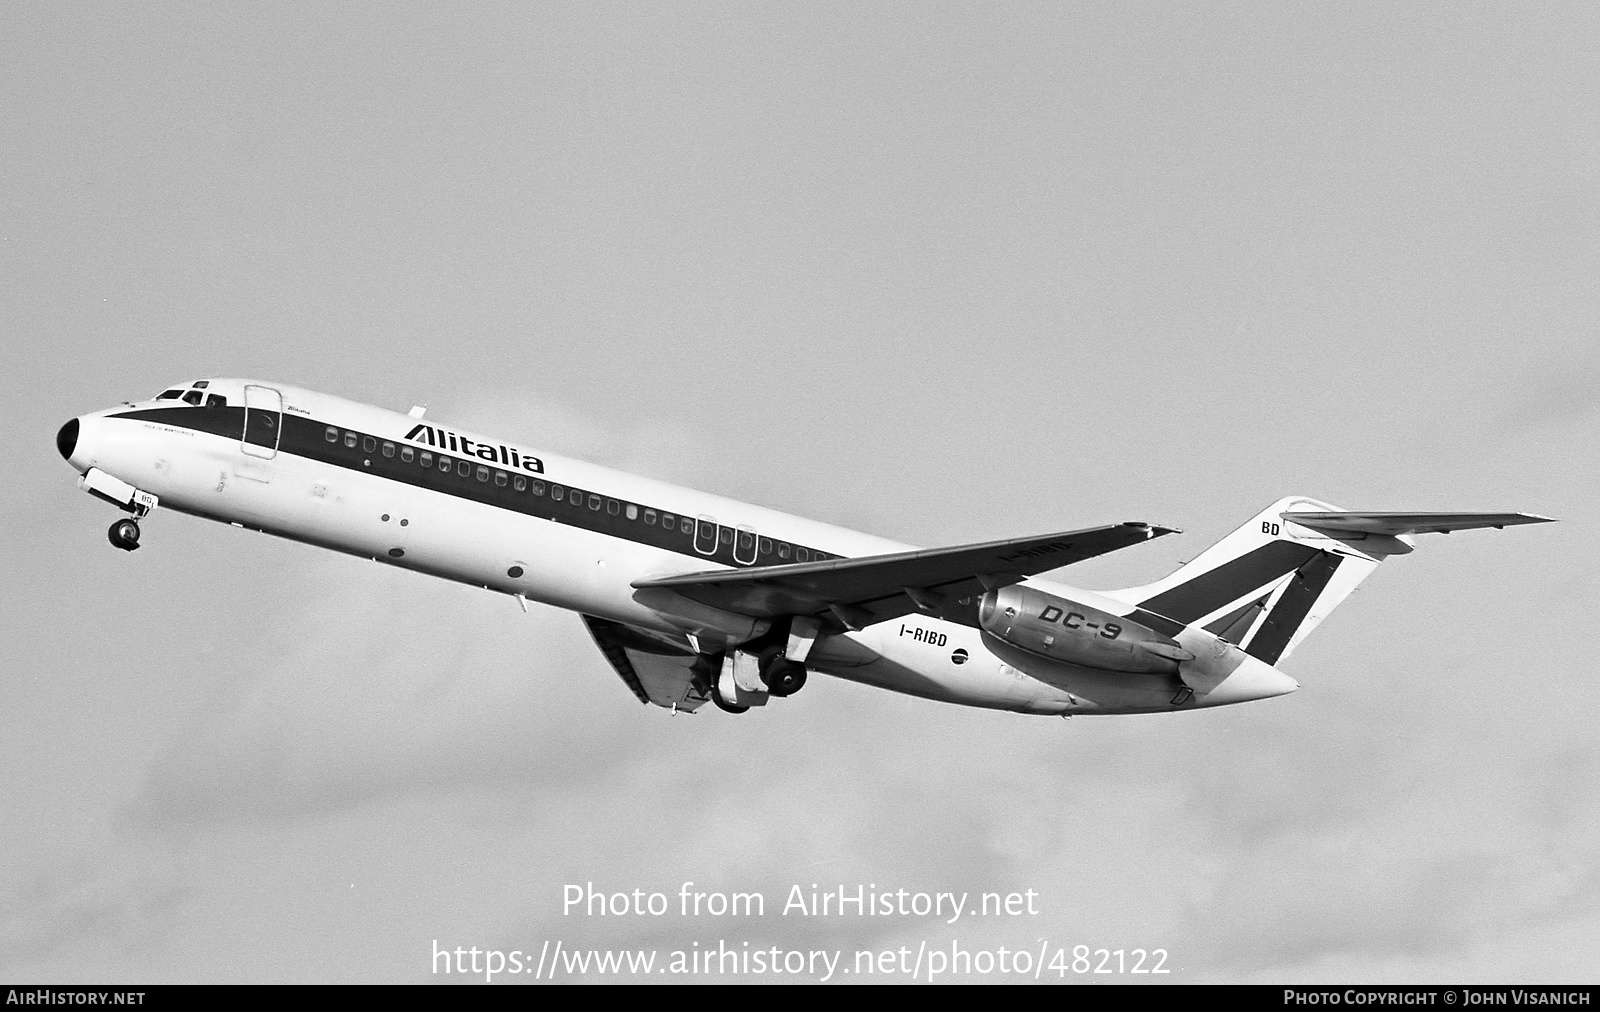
1153, 530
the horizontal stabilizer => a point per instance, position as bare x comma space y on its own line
855, 593
1397, 524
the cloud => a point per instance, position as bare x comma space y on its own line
374, 690
113, 902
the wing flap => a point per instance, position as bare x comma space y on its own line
875, 588
1397, 524
656, 670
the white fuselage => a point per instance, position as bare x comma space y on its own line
351, 477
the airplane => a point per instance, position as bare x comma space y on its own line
693, 597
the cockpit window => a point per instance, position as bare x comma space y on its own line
192, 397
216, 401
169, 395
201, 384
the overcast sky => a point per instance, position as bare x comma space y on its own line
943, 273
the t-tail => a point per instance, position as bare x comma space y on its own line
1267, 585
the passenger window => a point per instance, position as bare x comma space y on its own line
613, 507
332, 435
192, 397
556, 492
500, 478
783, 550
633, 512
350, 440
727, 536
483, 473
800, 555
408, 454
668, 521
594, 501
575, 499
519, 483
388, 449
426, 460
746, 539
465, 469
538, 487
766, 546
650, 517
368, 444
444, 463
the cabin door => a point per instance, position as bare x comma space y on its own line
263, 421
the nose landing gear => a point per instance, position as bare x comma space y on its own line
124, 534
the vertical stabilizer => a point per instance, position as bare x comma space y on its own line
1267, 585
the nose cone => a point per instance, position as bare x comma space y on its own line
67, 439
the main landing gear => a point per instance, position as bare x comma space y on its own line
742, 678
745, 680
783, 677
723, 704
124, 534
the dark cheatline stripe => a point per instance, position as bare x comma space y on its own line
307, 438
1230, 581
1285, 617
1233, 626
217, 421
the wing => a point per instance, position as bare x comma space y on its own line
1396, 524
654, 666
860, 592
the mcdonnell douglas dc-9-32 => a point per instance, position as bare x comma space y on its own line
694, 597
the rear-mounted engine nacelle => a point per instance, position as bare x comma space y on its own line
1064, 630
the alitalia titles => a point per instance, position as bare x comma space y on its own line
496, 453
